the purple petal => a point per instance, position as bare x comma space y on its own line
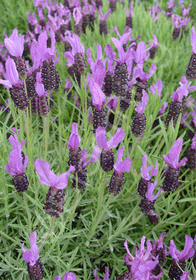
94, 157
57, 278
116, 139
74, 140
84, 154
69, 276
188, 251
100, 137
15, 43
193, 40
98, 97
11, 71
122, 166
47, 177
110, 53
172, 158
62, 180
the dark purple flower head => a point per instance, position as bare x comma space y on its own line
98, 96
113, 142
74, 140
143, 263
185, 12
158, 86
39, 87
193, 39
163, 108
11, 74
172, 158
15, 43
67, 276
106, 276
149, 194
187, 253
104, 17
145, 170
122, 165
142, 105
32, 255
48, 178
94, 157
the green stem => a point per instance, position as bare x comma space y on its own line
124, 225
45, 132
27, 209
99, 215
8, 237
49, 232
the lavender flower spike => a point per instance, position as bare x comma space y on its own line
15, 43
67, 276
145, 170
172, 158
113, 142
48, 178
32, 255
